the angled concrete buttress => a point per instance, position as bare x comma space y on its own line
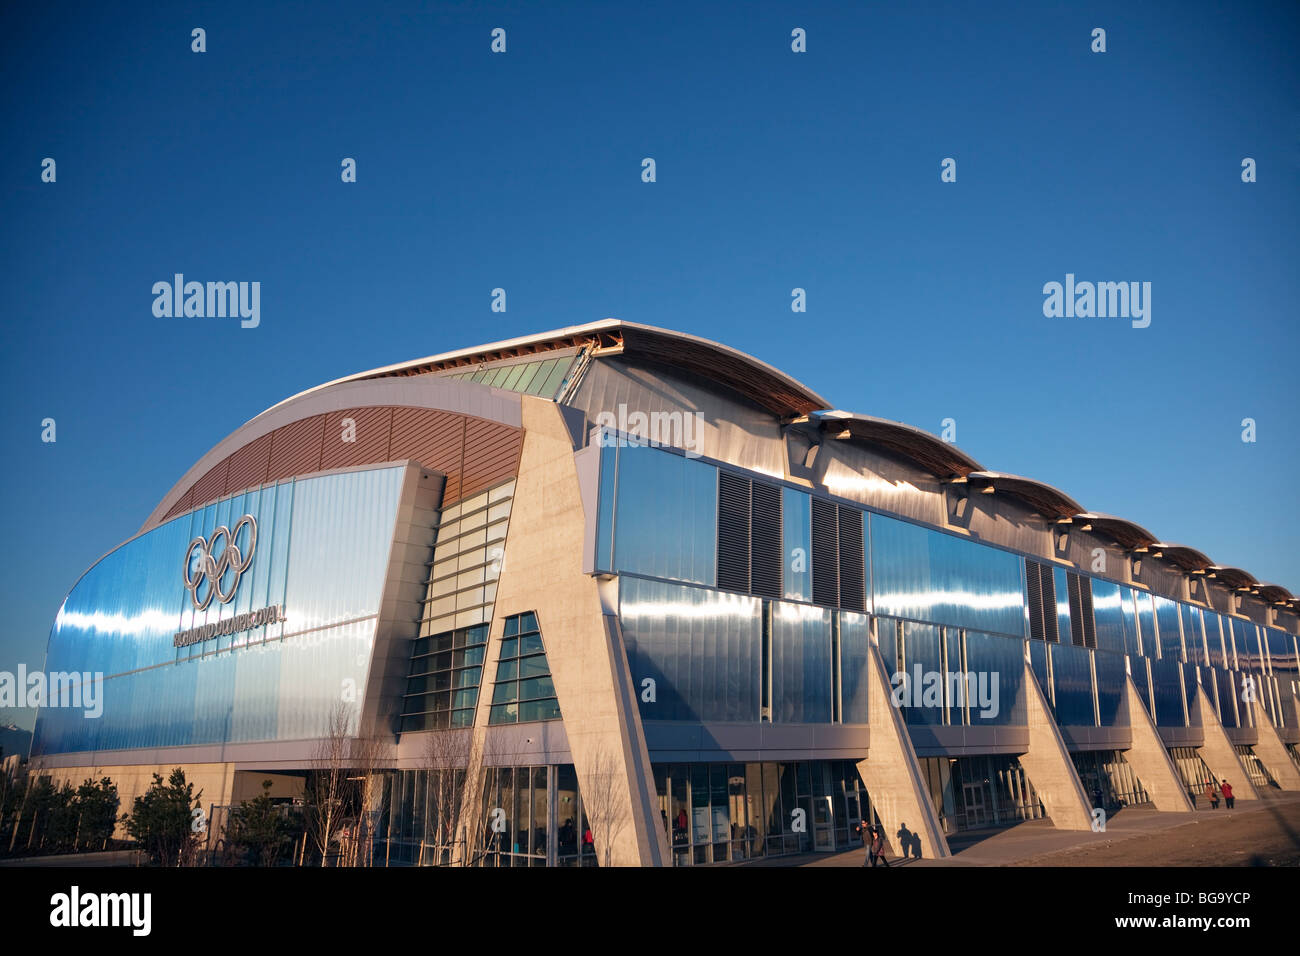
1149, 759
1273, 753
1048, 763
1217, 750
542, 572
892, 773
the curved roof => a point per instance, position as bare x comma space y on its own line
773, 390
1047, 501
1233, 577
768, 386
1188, 559
1124, 532
1275, 593
930, 452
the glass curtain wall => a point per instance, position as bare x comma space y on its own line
728, 812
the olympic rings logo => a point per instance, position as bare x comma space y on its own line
213, 567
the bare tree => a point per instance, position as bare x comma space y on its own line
446, 758
369, 757
604, 800
326, 786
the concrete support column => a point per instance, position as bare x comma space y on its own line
1150, 760
1272, 751
542, 572
891, 771
1217, 750
1048, 763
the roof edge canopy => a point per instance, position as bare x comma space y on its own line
768, 386
1123, 532
1048, 501
940, 458
1180, 555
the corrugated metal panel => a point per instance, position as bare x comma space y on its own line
212, 485
248, 466
432, 438
491, 455
370, 434
296, 448
181, 506
473, 453
728, 428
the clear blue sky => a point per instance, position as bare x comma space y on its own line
775, 170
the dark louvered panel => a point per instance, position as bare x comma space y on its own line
1034, 587
733, 533
1089, 621
825, 554
765, 540
852, 572
1076, 609
1050, 631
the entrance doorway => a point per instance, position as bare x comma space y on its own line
973, 797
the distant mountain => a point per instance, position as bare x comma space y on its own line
14, 740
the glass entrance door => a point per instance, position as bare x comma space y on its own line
823, 825
853, 817
973, 797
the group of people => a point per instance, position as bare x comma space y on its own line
1212, 794
873, 835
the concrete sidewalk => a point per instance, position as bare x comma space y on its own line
1038, 838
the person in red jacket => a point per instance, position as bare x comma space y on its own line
1227, 794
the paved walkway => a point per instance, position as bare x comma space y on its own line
106, 858
1039, 838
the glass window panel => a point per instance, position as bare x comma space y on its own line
796, 518
931, 576
801, 663
666, 522
538, 385
701, 647
855, 639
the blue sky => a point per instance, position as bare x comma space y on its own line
775, 170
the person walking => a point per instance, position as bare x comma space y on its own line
1227, 794
866, 831
1212, 795
878, 846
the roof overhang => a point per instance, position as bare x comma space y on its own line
929, 452
769, 387
1041, 497
1123, 532
1233, 578
1181, 556
1275, 593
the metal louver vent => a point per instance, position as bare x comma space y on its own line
825, 554
1050, 630
1085, 604
1076, 609
852, 572
1034, 587
765, 540
1041, 587
733, 532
